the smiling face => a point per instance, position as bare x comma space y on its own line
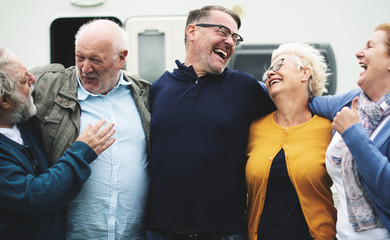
284, 76
208, 50
375, 61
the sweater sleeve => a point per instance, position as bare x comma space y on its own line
25, 194
328, 106
262, 102
373, 166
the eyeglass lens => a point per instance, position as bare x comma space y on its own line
225, 31
277, 65
273, 68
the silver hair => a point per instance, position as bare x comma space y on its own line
307, 56
8, 78
9, 83
119, 39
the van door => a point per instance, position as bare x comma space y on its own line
154, 45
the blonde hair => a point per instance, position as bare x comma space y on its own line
307, 56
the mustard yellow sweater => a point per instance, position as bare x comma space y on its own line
304, 146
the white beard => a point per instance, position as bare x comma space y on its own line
25, 108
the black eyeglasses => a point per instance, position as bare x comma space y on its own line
225, 31
273, 68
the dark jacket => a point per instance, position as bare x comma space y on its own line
33, 196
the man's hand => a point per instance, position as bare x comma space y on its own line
346, 117
98, 140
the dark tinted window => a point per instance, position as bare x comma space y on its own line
62, 32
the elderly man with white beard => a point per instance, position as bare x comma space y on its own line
32, 193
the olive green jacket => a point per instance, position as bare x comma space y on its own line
58, 111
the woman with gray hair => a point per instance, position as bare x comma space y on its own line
289, 194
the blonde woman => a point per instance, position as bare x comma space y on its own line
289, 194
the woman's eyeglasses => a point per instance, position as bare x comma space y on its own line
274, 68
276, 65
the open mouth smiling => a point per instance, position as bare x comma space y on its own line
364, 66
273, 81
221, 53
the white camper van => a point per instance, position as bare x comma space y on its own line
42, 31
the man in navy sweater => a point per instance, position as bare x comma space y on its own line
32, 194
201, 113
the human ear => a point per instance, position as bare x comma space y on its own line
122, 58
190, 32
4, 102
306, 74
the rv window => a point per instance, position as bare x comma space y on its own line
155, 42
151, 54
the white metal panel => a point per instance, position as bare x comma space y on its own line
173, 29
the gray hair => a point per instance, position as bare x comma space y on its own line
307, 56
8, 79
118, 38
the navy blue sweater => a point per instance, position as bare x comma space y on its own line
199, 133
32, 200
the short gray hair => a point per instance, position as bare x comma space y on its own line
307, 56
118, 38
8, 79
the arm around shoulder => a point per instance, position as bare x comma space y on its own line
328, 106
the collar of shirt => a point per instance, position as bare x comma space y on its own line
190, 71
13, 134
82, 94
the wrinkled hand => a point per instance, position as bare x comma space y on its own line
346, 117
98, 140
